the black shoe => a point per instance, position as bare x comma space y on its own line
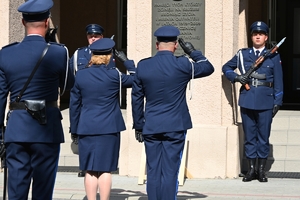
262, 176
251, 174
81, 173
261, 170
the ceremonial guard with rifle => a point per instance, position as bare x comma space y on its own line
261, 93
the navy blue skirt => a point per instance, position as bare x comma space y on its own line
99, 152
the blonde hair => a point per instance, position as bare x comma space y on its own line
99, 59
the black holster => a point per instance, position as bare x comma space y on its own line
37, 109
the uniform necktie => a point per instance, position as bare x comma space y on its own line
257, 52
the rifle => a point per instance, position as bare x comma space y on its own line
51, 34
3, 161
259, 60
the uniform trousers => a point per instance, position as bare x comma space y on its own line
31, 161
257, 128
163, 154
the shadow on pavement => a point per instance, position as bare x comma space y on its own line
120, 194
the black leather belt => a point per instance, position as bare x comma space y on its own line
21, 105
256, 83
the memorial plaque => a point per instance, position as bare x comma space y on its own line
187, 15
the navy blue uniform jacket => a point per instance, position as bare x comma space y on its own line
94, 103
162, 80
261, 97
83, 58
16, 64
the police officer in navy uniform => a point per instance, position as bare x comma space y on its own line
32, 149
82, 56
95, 116
259, 104
162, 80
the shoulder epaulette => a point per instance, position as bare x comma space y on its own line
59, 44
269, 50
273, 54
145, 59
10, 45
81, 48
243, 49
86, 67
109, 68
180, 56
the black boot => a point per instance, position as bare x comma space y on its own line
261, 170
81, 173
251, 174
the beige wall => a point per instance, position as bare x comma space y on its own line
213, 149
11, 29
139, 46
4, 22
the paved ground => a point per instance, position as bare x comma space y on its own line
69, 186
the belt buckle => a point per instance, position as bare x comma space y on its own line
254, 82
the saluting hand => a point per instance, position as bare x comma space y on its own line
187, 47
120, 55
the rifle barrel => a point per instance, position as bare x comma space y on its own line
261, 59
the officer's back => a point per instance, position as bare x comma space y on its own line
17, 62
164, 78
162, 125
33, 129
